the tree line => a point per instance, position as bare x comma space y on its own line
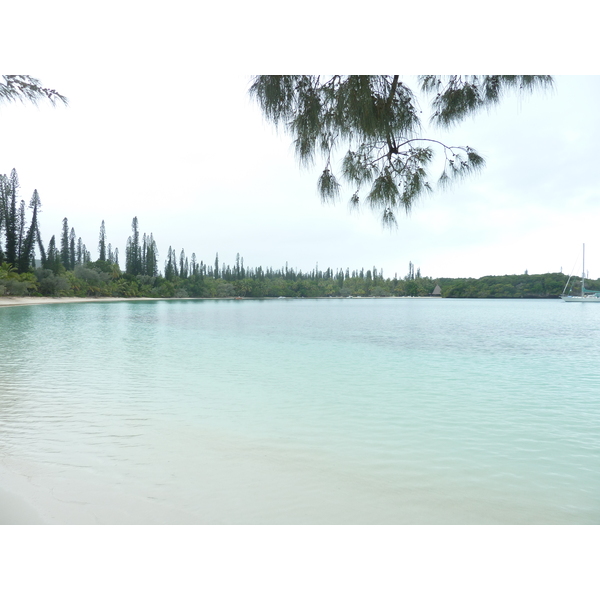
65, 268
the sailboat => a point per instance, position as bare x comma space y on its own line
586, 295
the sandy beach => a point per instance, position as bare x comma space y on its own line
14, 510
6, 301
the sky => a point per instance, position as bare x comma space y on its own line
150, 132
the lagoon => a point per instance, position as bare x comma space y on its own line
374, 411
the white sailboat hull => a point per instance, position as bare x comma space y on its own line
580, 299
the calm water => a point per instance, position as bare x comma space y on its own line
304, 411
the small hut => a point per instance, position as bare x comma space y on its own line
437, 291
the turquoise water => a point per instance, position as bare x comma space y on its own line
304, 411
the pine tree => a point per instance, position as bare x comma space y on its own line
21, 223
174, 263
102, 243
40, 245
144, 252
64, 244
169, 273
11, 219
53, 259
137, 254
36, 204
133, 252
3, 189
27, 254
182, 264
129, 256
151, 261
72, 249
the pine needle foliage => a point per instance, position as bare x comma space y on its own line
24, 88
457, 96
375, 121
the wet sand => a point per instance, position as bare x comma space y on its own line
15, 511
32, 300
6, 301
14, 507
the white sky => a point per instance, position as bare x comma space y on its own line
160, 126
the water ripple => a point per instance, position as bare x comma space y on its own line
487, 404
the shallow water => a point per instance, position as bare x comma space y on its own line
303, 411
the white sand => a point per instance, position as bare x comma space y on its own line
6, 301
15, 511
31, 300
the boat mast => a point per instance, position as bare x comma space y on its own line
583, 272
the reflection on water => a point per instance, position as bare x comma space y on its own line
374, 411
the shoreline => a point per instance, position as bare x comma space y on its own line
7, 301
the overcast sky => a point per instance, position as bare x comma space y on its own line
147, 133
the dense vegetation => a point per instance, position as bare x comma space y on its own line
547, 285
65, 268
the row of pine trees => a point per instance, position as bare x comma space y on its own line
21, 240
24, 253
66, 268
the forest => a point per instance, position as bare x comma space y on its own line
65, 268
